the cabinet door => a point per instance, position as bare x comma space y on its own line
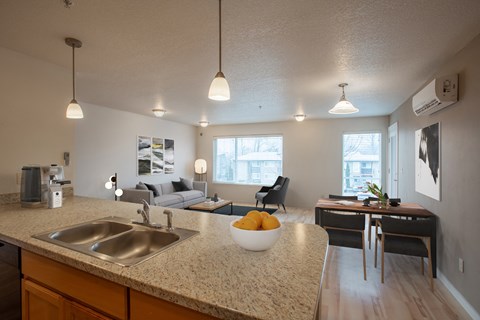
39, 303
75, 311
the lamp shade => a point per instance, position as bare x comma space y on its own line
343, 107
219, 89
200, 166
74, 111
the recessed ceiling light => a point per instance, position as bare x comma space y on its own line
158, 112
300, 117
204, 124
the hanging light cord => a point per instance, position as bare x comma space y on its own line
220, 34
73, 73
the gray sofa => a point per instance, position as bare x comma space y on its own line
168, 197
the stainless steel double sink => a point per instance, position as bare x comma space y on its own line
116, 239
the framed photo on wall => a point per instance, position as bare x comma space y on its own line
154, 155
427, 161
144, 155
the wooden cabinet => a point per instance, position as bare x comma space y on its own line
75, 311
54, 291
71, 294
39, 303
143, 306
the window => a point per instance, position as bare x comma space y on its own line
247, 160
361, 161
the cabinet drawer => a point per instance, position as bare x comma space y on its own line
96, 292
143, 306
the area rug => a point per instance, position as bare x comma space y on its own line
241, 210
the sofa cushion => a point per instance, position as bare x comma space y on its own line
167, 188
178, 186
141, 186
153, 188
189, 195
168, 200
159, 189
187, 184
260, 195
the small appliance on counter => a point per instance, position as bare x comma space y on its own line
41, 185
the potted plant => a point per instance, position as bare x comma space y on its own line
378, 192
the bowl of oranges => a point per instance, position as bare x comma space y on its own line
256, 231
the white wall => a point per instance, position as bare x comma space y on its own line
458, 210
312, 156
106, 142
33, 129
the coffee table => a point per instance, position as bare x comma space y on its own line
202, 206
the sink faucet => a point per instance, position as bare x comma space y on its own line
169, 214
145, 212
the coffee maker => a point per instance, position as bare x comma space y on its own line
41, 185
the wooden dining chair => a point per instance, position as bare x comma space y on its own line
345, 230
407, 237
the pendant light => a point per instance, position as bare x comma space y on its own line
343, 106
219, 89
74, 111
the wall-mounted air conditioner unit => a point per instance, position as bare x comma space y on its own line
438, 94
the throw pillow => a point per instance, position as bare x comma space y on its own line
141, 186
187, 184
177, 185
153, 188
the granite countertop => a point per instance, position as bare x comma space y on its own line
207, 272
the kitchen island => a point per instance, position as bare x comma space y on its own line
207, 273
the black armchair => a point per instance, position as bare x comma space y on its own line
274, 194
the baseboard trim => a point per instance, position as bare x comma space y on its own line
457, 295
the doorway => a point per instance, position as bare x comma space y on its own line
392, 162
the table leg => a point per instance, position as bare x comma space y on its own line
433, 246
317, 215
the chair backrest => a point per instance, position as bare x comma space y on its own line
334, 196
279, 181
420, 227
283, 189
345, 221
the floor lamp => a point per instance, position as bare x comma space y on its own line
113, 182
201, 168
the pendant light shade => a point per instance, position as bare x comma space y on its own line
219, 89
343, 106
74, 111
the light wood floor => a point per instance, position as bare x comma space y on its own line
404, 295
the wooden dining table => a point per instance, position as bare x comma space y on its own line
411, 210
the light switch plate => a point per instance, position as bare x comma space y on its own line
460, 265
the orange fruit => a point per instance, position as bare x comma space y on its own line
270, 222
255, 215
264, 214
246, 223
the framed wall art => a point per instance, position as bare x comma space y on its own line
154, 155
427, 161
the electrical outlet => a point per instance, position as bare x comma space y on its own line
460, 265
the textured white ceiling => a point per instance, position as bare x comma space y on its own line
287, 56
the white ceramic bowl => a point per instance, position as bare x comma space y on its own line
255, 240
